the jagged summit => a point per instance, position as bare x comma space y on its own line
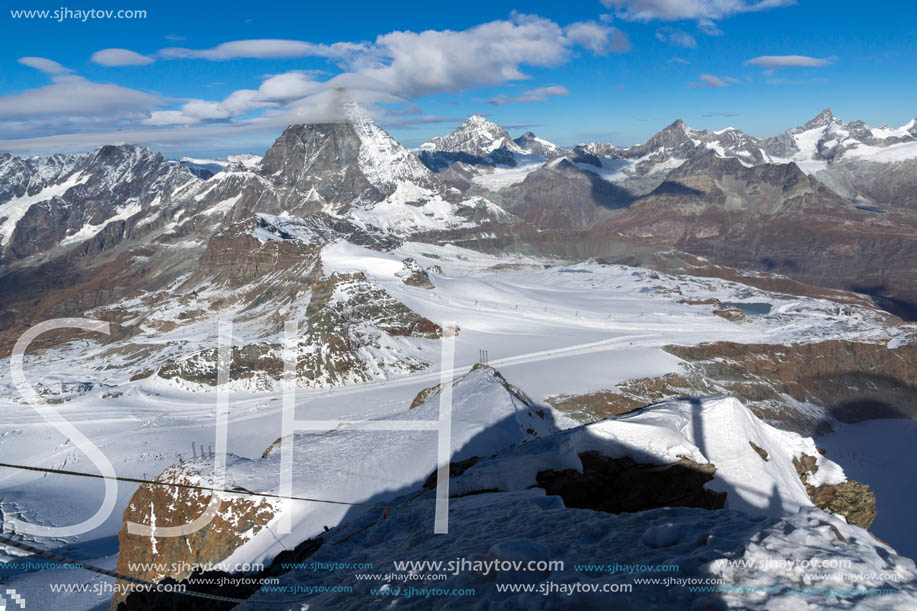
363, 159
476, 136
534, 145
822, 119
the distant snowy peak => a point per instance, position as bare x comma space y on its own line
822, 119
826, 139
534, 145
822, 140
476, 136
205, 168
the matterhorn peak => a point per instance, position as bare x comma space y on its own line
352, 111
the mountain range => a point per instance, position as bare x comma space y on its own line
827, 203
766, 279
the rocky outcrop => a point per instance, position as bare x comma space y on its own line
850, 498
534, 145
414, 275
348, 319
353, 332
629, 396
238, 519
563, 195
261, 364
852, 381
730, 314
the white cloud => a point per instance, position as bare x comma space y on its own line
674, 10
265, 49
393, 70
48, 66
418, 64
71, 95
169, 117
273, 92
708, 81
675, 37
540, 94
678, 60
788, 61
709, 27
414, 64
289, 85
120, 57
732, 80
598, 38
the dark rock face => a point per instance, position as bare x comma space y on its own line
851, 499
319, 164
581, 154
235, 258
889, 186
562, 195
620, 485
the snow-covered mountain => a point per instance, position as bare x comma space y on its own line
813, 146
205, 168
533, 145
477, 136
56, 201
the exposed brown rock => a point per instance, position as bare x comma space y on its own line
731, 314
758, 450
852, 380
629, 396
238, 518
414, 275
850, 498
247, 362
773, 217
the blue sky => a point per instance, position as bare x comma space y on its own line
210, 79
